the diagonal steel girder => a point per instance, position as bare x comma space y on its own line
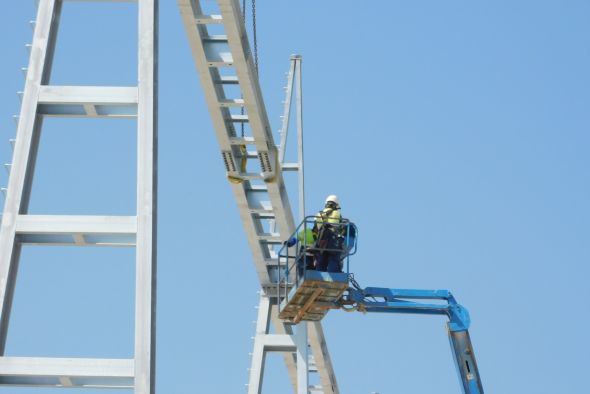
226, 60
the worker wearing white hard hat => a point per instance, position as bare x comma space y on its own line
333, 199
331, 211
328, 259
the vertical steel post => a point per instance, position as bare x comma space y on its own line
299, 342
259, 352
147, 148
284, 132
299, 103
302, 328
302, 358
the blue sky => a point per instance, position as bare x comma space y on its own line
455, 133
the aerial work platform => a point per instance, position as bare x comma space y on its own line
307, 290
316, 293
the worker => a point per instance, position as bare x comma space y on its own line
306, 255
327, 231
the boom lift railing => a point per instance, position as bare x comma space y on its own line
299, 253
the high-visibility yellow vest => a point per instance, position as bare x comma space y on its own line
328, 215
306, 237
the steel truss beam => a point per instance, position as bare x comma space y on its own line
18, 227
229, 79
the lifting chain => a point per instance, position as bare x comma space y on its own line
255, 38
243, 20
254, 32
243, 151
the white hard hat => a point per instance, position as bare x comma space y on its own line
333, 198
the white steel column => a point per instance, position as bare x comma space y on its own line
18, 228
302, 358
301, 333
147, 122
300, 339
296, 59
25, 154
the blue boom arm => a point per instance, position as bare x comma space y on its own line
425, 302
315, 292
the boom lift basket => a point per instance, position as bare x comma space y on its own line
304, 292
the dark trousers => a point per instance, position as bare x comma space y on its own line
328, 261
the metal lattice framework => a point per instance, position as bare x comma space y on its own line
227, 71
254, 165
42, 100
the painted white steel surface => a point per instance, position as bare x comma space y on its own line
265, 342
302, 328
301, 340
147, 186
76, 230
52, 224
25, 151
40, 100
88, 101
87, 95
259, 203
66, 372
258, 353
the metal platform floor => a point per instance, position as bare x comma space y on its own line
314, 296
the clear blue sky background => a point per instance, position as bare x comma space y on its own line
455, 133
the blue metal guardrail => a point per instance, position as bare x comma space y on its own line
314, 239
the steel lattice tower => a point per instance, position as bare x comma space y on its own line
40, 100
